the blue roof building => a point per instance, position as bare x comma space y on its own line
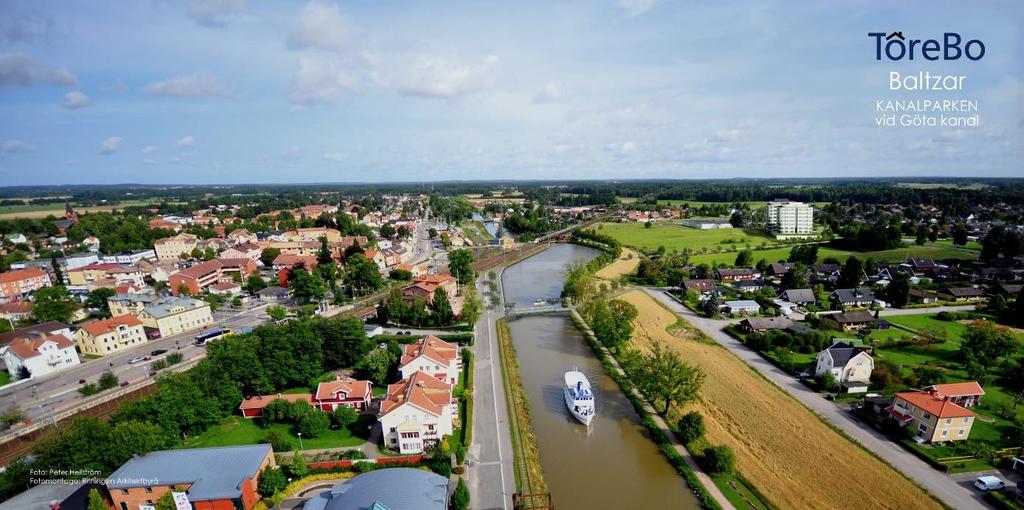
386, 489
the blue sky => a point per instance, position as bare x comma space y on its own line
227, 91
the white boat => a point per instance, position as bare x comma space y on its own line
579, 397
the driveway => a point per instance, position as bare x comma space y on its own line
946, 488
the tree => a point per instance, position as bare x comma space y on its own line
96, 501
711, 305
441, 308
922, 235
363, 275
851, 274
271, 482
795, 278
897, 293
471, 305
719, 459
255, 283
664, 376
984, 343
165, 502
691, 427
387, 231
277, 312
268, 255
460, 498
344, 416
107, 380
744, 258
805, 253
297, 467
134, 437
313, 424
53, 304
324, 255
460, 264
960, 234
378, 364
400, 274
344, 341
306, 286
97, 299
928, 375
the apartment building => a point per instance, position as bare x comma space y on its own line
200, 276
22, 282
433, 356
173, 315
933, 418
417, 412
171, 248
789, 219
38, 355
102, 337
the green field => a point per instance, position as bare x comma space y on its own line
674, 236
935, 251
235, 430
476, 232
57, 209
753, 204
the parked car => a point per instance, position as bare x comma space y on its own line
989, 483
138, 360
158, 352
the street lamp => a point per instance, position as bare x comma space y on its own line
300, 440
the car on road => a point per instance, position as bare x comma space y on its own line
138, 359
158, 352
989, 483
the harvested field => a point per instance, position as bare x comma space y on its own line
787, 453
626, 263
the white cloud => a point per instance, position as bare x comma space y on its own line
334, 156
16, 147
194, 85
322, 26
149, 149
554, 91
214, 13
20, 70
110, 145
627, 148
447, 77
188, 141
636, 7
321, 80
75, 100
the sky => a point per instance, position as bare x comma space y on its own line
237, 91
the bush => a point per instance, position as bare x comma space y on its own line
108, 380
460, 498
460, 453
159, 364
353, 455
278, 442
313, 424
691, 427
174, 358
88, 389
442, 465
271, 482
719, 459
344, 416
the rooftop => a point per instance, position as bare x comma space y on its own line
214, 473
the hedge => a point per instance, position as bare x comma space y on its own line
459, 338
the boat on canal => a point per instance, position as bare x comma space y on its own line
579, 397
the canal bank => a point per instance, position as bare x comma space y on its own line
615, 463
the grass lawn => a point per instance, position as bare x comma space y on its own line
476, 232
235, 430
5, 378
935, 251
674, 236
57, 209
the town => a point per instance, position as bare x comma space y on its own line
340, 333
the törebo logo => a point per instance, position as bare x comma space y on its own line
895, 46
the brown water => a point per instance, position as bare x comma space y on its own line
613, 465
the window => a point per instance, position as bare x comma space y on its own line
922, 427
945, 433
949, 421
960, 432
927, 416
124, 492
966, 419
392, 430
149, 490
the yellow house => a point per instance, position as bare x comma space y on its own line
932, 417
103, 337
176, 314
87, 274
171, 248
313, 234
130, 304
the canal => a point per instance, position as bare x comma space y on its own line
615, 464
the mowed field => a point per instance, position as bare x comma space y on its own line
9, 212
782, 449
931, 250
759, 204
674, 236
626, 263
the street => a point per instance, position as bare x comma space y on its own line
957, 493
58, 392
492, 482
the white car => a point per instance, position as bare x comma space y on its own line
989, 483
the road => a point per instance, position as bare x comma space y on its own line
492, 481
954, 492
58, 392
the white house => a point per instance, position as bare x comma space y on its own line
850, 365
434, 356
41, 355
742, 306
417, 412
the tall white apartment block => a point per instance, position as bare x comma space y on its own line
786, 218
